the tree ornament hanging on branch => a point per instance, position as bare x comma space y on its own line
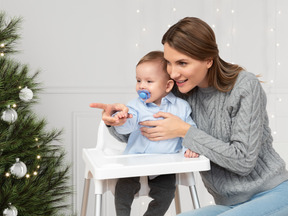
26, 94
9, 115
18, 169
10, 211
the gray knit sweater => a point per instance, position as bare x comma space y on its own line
233, 132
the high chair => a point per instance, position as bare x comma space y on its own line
105, 164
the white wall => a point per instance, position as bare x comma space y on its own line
87, 51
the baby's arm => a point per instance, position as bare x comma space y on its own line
130, 121
122, 115
190, 154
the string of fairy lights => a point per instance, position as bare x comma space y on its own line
142, 28
274, 47
2, 47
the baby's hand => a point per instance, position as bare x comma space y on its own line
121, 115
191, 154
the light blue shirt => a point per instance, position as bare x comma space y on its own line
141, 111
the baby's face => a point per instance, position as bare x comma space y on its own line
150, 76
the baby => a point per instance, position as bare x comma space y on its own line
154, 88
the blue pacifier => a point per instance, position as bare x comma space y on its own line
144, 94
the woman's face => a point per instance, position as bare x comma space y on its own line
186, 71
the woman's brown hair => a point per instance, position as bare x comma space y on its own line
196, 39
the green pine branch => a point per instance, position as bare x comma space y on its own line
9, 33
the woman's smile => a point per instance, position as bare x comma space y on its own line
180, 83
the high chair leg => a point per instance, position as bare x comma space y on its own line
85, 197
194, 196
177, 201
98, 203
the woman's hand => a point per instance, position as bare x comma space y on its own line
169, 127
109, 110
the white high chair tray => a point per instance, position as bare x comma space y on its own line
103, 166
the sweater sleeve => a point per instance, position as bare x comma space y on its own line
188, 119
116, 135
247, 114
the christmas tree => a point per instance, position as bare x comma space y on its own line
33, 176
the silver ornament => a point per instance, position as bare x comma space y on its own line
26, 94
18, 169
10, 211
9, 115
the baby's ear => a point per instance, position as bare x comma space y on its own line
170, 84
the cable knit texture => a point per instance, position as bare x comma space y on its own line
233, 132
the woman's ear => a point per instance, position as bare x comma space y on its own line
169, 86
209, 63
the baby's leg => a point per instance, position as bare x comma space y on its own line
125, 190
162, 191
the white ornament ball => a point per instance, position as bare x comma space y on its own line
26, 94
18, 169
9, 115
11, 211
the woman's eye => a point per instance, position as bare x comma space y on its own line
149, 81
182, 63
138, 81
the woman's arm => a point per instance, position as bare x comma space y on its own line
247, 122
119, 137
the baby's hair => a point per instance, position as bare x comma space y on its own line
154, 56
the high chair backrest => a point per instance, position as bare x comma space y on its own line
108, 144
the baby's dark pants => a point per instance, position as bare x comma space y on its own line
162, 191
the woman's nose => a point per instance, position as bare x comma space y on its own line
173, 73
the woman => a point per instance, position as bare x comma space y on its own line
247, 176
